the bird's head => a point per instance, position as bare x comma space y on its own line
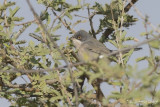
80, 37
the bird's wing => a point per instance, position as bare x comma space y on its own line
96, 47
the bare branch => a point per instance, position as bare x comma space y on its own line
127, 8
134, 46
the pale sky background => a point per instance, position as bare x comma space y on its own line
147, 7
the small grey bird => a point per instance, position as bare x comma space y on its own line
89, 48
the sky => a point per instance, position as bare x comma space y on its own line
150, 8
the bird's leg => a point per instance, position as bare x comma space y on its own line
96, 84
82, 77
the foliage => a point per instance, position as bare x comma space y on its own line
52, 82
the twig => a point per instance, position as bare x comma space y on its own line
22, 88
5, 15
21, 23
93, 14
68, 27
126, 9
16, 36
150, 49
25, 23
56, 19
91, 23
134, 46
119, 43
155, 67
81, 16
117, 37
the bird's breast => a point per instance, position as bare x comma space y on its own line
86, 55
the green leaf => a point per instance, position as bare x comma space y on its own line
127, 56
155, 44
17, 18
141, 59
37, 29
13, 12
7, 5
74, 8
53, 99
20, 42
3, 34
79, 1
44, 15
36, 37
1, 27
31, 43
58, 26
116, 83
1, 20
38, 93
113, 42
99, 7
5, 44
123, 34
49, 20
77, 22
68, 15
128, 38
16, 35
144, 34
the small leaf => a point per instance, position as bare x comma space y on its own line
1, 28
127, 55
113, 42
56, 27
20, 42
13, 12
36, 37
68, 15
144, 34
17, 18
31, 43
53, 99
7, 5
141, 59
155, 44
116, 83
77, 22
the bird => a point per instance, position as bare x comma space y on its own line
88, 47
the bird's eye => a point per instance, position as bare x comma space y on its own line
79, 37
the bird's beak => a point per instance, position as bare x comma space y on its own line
71, 38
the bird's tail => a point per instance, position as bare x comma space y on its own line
125, 50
